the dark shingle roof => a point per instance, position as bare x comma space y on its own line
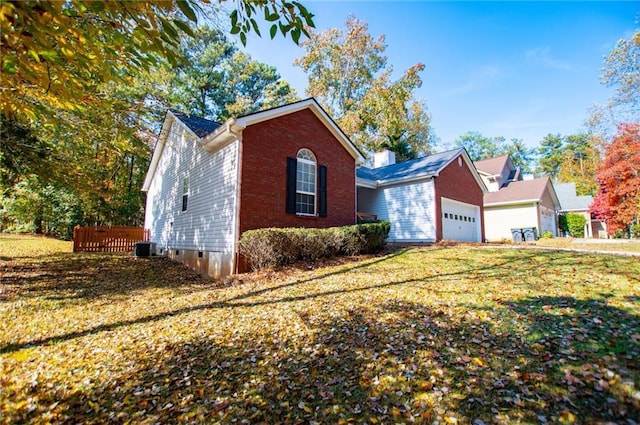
523, 190
200, 126
421, 167
492, 166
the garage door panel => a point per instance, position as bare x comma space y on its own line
460, 221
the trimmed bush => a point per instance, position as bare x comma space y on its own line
573, 224
281, 246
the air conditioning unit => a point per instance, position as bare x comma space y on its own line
144, 249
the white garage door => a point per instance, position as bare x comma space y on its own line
460, 221
547, 220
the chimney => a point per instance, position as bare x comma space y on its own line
384, 158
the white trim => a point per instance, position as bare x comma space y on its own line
234, 126
158, 149
477, 216
169, 121
374, 184
369, 184
519, 202
227, 132
236, 216
313, 163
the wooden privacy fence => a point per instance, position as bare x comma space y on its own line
107, 238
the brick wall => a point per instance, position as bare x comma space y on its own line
457, 183
265, 148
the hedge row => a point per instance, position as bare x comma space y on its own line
281, 246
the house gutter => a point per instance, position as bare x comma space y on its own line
390, 182
224, 134
524, 201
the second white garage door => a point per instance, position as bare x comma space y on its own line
460, 221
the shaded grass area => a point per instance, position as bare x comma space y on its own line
447, 334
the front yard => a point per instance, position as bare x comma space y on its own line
422, 335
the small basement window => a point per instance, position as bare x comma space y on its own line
200, 254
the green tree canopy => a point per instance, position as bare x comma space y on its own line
78, 115
480, 147
215, 80
349, 75
572, 158
550, 154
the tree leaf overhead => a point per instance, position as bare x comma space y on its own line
54, 53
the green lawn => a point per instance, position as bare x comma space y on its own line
446, 334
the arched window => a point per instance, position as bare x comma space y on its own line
306, 182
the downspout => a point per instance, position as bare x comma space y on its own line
355, 184
236, 227
538, 217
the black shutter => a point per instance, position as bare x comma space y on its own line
292, 165
322, 191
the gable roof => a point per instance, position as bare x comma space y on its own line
415, 169
199, 126
213, 134
492, 166
569, 201
233, 127
521, 191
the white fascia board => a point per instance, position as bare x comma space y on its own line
370, 184
474, 171
554, 195
564, 210
519, 202
227, 132
411, 179
158, 149
311, 104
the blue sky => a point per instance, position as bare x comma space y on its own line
512, 69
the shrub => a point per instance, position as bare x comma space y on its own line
635, 230
278, 247
546, 235
573, 224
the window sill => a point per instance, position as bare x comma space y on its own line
307, 215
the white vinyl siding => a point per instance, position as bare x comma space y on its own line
499, 220
208, 224
410, 208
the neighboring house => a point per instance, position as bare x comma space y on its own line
427, 199
497, 172
572, 203
514, 203
207, 183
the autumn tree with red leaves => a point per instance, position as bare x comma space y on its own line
618, 200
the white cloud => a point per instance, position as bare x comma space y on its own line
477, 79
542, 56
